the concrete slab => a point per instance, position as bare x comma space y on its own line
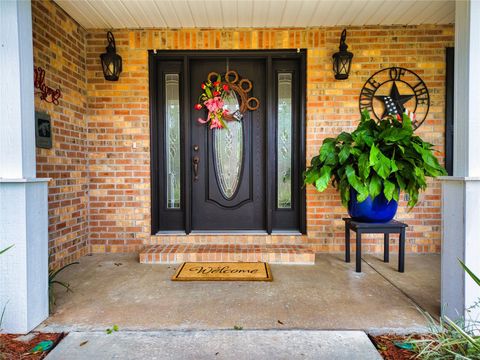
420, 281
198, 345
115, 289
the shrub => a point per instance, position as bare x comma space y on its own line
378, 156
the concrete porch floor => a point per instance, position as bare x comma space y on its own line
116, 289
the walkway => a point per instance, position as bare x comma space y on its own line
199, 345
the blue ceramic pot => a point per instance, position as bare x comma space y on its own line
379, 210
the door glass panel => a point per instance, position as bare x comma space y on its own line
230, 102
172, 139
228, 157
284, 141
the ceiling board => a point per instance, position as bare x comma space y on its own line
290, 12
95, 16
77, 13
354, 9
365, 13
260, 13
448, 19
275, 13
446, 10
184, 14
229, 13
430, 13
153, 13
306, 13
199, 13
213, 11
169, 13
322, 12
382, 10
139, 12
105, 9
402, 7
336, 12
418, 12
245, 13
256, 13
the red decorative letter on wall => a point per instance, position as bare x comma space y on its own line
46, 93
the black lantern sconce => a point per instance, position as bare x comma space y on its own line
342, 60
111, 61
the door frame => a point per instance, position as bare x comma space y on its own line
184, 56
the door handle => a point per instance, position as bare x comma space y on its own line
195, 161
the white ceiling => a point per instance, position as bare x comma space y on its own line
118, 14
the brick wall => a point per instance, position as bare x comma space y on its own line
59, 48
118, 121
99, 196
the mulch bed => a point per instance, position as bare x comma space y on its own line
11, 349
386, 347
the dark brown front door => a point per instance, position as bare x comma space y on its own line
228, 182
243, 178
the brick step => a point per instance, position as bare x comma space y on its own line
227, 239
275, 254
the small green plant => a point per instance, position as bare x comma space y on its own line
6, 249
52, 274
451, 339
114, 328
379, 156
236, 327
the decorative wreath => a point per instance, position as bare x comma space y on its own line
214, 92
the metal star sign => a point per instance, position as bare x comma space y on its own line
393, 103
394, 90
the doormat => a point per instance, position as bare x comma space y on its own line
223, 271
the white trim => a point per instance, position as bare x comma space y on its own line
24, 180
17, 121
466, 160
461, 193
23, 197
24, 267
459, 178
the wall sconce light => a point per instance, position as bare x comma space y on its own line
342, 60
111, 61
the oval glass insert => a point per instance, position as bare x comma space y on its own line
230, 102
228, 157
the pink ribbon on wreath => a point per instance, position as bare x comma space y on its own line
214, 104
215, 109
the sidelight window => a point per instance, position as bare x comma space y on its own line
172, 139
284, 141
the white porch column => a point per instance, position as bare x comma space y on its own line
461, 192
23, 197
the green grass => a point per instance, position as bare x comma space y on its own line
52, 274
451, 339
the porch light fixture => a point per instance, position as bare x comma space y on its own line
111, 61
342, 60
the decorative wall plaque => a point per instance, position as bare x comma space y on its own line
393, 91
46, 93
43, 130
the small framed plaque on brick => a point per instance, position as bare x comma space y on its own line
43, 130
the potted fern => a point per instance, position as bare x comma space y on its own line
371, 165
